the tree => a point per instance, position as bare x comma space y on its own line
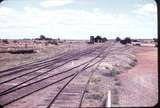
123, 41
155, 40
53, 41
42, 37
128, 40
104, 39
14, 41
5, 41
134, 40
118, 39
98, 39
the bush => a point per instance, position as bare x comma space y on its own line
98, 39
134, 40
118, 39
155, 40
5, 41
14, 41
42, 37
126, 40
123, 42
104, 39
52, 42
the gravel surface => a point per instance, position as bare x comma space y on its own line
8, 60
140, 84
129, 72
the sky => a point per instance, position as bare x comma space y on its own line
78, 19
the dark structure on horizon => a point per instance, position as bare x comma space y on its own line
92, 40
126, 40
97, 39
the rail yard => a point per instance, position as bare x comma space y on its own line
76, 74
79, 53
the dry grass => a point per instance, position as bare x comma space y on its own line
95, 79
96, 96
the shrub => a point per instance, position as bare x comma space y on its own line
104, 39
52, 42
122, 41
126, 40
42, 37
98, 39
5, 41
155, 40
118, 39
14, 41
134, 40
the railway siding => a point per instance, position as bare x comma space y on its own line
82, 80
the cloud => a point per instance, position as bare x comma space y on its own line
31, 9
52, 3
74, 23
4, 11
96, 10
147, 9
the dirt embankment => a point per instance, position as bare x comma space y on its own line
140, 84
104, 79
130, 73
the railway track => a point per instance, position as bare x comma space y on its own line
83, 91
15, 78
64, 78
63, 88
44, 62
79, 103
61, 59
3, 94
45, 66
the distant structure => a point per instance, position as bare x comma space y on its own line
92, 40
97, 39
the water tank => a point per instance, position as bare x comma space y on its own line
92, 39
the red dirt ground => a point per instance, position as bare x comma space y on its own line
140, 84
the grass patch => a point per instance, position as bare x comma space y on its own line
95, 79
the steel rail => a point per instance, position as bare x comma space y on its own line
37, 89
